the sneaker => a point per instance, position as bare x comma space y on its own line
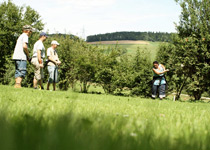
41, 87
153, 97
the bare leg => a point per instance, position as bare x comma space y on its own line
40, 82
18, 81
35, 83
54, 86
48, 85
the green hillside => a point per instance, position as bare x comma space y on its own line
152, 47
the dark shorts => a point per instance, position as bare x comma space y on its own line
20, 68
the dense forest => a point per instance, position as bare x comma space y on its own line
147, 36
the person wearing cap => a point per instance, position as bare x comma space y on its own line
21, 55
52, 65
37, 60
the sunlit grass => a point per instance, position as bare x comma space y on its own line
41, 120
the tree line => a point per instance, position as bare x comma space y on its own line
146, 36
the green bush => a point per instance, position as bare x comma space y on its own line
142, 74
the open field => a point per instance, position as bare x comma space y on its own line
121, 42
132, 46
45, 120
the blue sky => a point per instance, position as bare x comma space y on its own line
89, 17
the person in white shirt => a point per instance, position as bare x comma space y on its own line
52, 65
21, 55
37, 60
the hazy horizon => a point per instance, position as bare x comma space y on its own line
90, 17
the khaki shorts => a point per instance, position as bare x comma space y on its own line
38, 72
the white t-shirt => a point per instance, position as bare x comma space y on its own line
50, 50
53, 54
39, 46
19, 53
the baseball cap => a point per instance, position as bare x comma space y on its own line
43, 34
28, 27
55, 42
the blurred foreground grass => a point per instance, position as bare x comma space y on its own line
43, 120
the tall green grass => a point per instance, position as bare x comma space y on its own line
44, 120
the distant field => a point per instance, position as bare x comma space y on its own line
121, 42
132, 46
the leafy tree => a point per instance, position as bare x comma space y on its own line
12, 18
106, 68
122, 78
79, 61
193, 44
142, 74
188, 53
85, 67
165, 57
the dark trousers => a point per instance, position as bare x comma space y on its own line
159, 88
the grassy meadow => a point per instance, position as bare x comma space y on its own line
63, 120
132, 46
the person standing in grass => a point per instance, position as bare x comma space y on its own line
52, 65
159, 80
37, 60
21, 55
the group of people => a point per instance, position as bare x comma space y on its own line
21, 56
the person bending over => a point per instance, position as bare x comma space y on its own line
159, 80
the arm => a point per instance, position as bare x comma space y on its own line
39, 58
52, 60
50, 54
25, 48
164, 68
159, 73
59, 62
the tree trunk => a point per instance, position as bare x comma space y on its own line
179, 90
197, 95
83, 87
